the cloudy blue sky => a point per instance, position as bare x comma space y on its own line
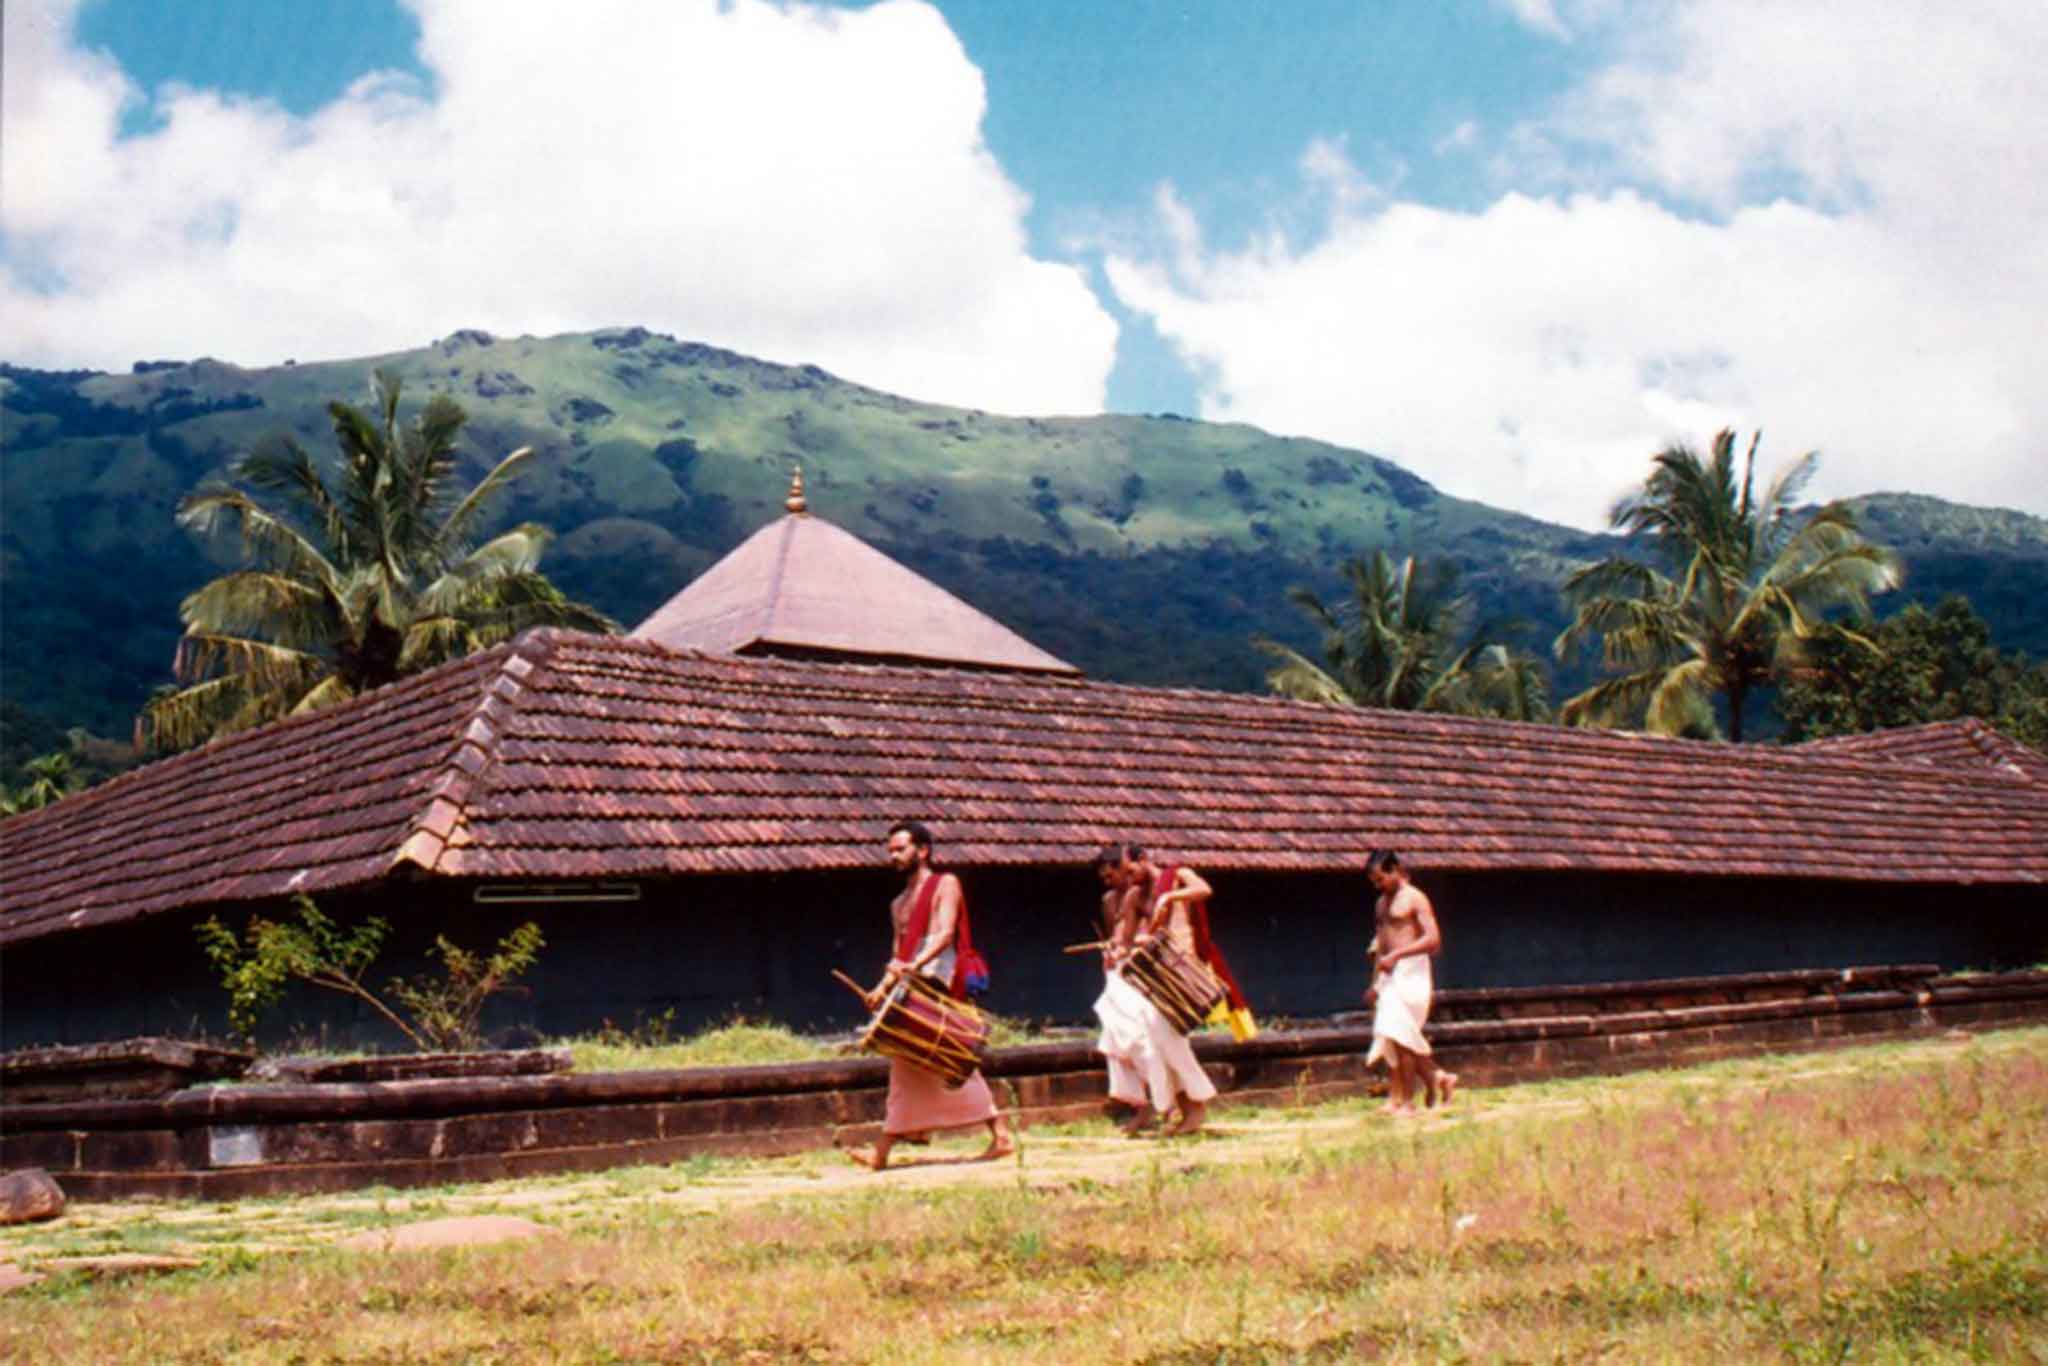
1515, 245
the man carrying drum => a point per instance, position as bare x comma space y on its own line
1405, 936
1127, 1018
929, 917
1157, 904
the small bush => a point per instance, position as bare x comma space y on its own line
441, 1012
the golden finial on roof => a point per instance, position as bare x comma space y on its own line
795, 502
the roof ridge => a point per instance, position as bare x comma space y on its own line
212, 750
443, 824
1291, 714
785, 539
2003, 750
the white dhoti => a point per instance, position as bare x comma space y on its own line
1400, 1009
1153, 1061
1124, 1040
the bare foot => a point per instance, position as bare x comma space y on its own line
1400, 1111
1449, 1082
997, 1149
861, 1157
1138, 1123
1191, 1116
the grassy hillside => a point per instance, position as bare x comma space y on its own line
1141, 548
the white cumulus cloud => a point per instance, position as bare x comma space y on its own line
1818, 219
800, 183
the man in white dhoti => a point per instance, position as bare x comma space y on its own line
1125, 1038
1405, 936
1173, 1078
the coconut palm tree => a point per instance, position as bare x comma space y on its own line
354, 585
51, 778
1745, 584
1400, 642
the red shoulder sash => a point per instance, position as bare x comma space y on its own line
919, 924
1205, 945
920, 921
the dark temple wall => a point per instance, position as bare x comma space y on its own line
710, 948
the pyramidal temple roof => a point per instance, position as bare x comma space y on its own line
802, 586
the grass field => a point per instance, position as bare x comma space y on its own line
736, 1042
1882, 1204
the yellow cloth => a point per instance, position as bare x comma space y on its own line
1239, 1020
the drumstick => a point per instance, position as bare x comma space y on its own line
1087, 947
851, 985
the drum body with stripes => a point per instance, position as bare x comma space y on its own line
926, 1028
1183, 988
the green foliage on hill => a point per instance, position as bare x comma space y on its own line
1144, 549
1929, 666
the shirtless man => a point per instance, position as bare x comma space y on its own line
928, 918
1405, 935
1159, 904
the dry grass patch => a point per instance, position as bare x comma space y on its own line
1886, 1204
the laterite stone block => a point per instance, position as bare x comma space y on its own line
53, 1150
131, 1150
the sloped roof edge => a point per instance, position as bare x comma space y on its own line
318, 802
1966, 740
564, 756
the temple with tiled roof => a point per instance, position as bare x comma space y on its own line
694, 815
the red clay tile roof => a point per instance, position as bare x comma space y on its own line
1966, 743
802, 584
567, 756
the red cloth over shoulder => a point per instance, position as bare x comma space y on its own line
920, 919
1205, 945
920, 922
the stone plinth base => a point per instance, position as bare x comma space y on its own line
224, 1141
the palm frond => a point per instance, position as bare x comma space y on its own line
219, 706
1612, 702
281, 465
423, 464
366, 479
291, 612
1679, 704
262, 665
455, 531
264, 535
328, 691
1786, 486
435, 640
1633, 632
505, 604
1513, 684
517, 551
1617, 576
1301, 678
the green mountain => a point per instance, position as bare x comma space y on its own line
1144, 549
